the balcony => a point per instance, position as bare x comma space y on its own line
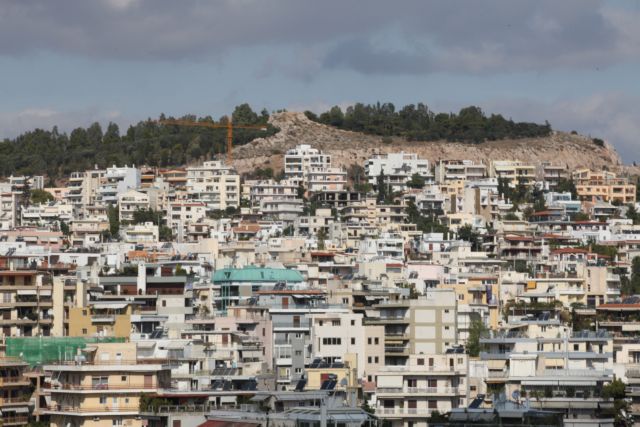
403, 412
84, 410
103, 318
420, 390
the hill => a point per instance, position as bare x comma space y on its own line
347, 147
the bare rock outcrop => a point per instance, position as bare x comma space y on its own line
346, 148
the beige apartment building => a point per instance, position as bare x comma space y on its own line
514, 172
426, 325
103, 387
606, 186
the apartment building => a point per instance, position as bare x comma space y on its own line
144, 233
325, 179
408, 395
514, 172
215, 184
336, 335
181, 214
426, 325
103, 387
115, 181
46, 215
398, 168
300, 160
15, 392
129, 202
551, 174
83, 188
9, 204
26, 306
605, 186
457, 170
270, 189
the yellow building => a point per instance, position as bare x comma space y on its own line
603, 185
107, 319
514, 172
105, 388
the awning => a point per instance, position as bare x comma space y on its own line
146, 344
115, 306
45, 292
21, 410
227, 399
560, 381
173, 345
497, 364
27, 292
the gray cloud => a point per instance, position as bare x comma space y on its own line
612, 116
453, 35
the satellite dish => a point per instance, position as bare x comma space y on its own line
515, 395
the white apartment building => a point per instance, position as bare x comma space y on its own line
8, 207
115, 181
18, 183
215, 184
271, 189
140, 233
181, 214
131, 201
455, 170
46, 214
398, 168
326, 179
409, 394
300, 160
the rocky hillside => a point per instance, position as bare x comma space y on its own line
346, 148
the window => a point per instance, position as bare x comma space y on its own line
376, 359
412, 404
298, 352
433, 404
369, 340
84, 331
433, 384
353, 322
164, 302
123, 378
320, 323
420, 362
103, 400
576, 347
369, 359
335, 322
446, 328
376, 341
353, 341
116, 421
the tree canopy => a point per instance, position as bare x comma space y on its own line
148, 142
419, 123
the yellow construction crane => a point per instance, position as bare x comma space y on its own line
229, 126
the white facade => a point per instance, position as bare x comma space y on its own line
398, 168
131, 201
299, 160
116, 181
216, 185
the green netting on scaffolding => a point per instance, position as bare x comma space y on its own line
42, 350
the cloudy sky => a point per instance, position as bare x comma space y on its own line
573, 62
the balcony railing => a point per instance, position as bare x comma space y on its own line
107, 387
404, 411
420, 390
89, 409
